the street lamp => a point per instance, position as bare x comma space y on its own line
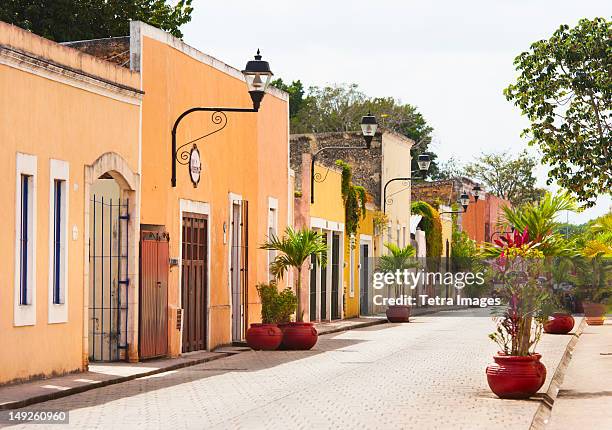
423, 161
477, 192
257, 75
464, 199
368, 130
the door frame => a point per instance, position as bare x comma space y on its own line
365, 239
232, 197
328, 228
201, 208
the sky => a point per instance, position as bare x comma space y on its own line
452, 59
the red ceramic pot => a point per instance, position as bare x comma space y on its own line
267, 337
514, 377
559, 323
398, 314
299, 335
595, 313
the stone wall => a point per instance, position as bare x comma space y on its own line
366, 163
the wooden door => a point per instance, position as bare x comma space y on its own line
194, 281
153, 298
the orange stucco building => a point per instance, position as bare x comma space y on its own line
242, 195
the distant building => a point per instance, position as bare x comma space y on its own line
481, 218
388, 158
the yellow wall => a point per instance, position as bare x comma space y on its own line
328, 203
249, 157
51, 119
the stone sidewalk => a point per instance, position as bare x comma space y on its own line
429, 374
585, 398
100, 375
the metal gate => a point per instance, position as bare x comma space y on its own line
239, 269
194, 281
108, 278
153, 296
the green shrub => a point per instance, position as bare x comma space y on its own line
276, 307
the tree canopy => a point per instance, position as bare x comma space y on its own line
565, 90
70, 20
506, 176
340, 108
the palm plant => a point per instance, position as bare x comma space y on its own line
539, 219
397, 259
294, 249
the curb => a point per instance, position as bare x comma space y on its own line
83, 388
542, 415
353, 327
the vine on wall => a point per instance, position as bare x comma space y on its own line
432, 226
354, 198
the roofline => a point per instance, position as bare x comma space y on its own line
142, 29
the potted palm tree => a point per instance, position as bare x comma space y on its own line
558, 306
398, 259
294, 249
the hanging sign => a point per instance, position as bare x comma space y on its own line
195, 165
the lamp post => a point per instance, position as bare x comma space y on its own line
368, 130
464, 199
257, 75
424, 161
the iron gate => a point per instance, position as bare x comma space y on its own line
153, 297
108, 278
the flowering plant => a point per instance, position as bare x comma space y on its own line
519, 269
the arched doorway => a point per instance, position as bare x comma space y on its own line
111, 260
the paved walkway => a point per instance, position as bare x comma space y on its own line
99, 375
428, 374
585, 398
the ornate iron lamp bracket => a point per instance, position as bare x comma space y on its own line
389, 200
184, 156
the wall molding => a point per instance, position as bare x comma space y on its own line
57, 72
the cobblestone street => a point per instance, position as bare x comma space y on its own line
428, 374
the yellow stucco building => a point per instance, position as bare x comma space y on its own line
67, 121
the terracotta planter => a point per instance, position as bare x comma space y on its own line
266, 337
398, 314
299, 335
559, 323
595, 313
514, 377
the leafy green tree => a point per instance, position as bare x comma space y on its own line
449, 169
506, 176
296, 94
340, 108
565, 90
294, 249
71, 20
